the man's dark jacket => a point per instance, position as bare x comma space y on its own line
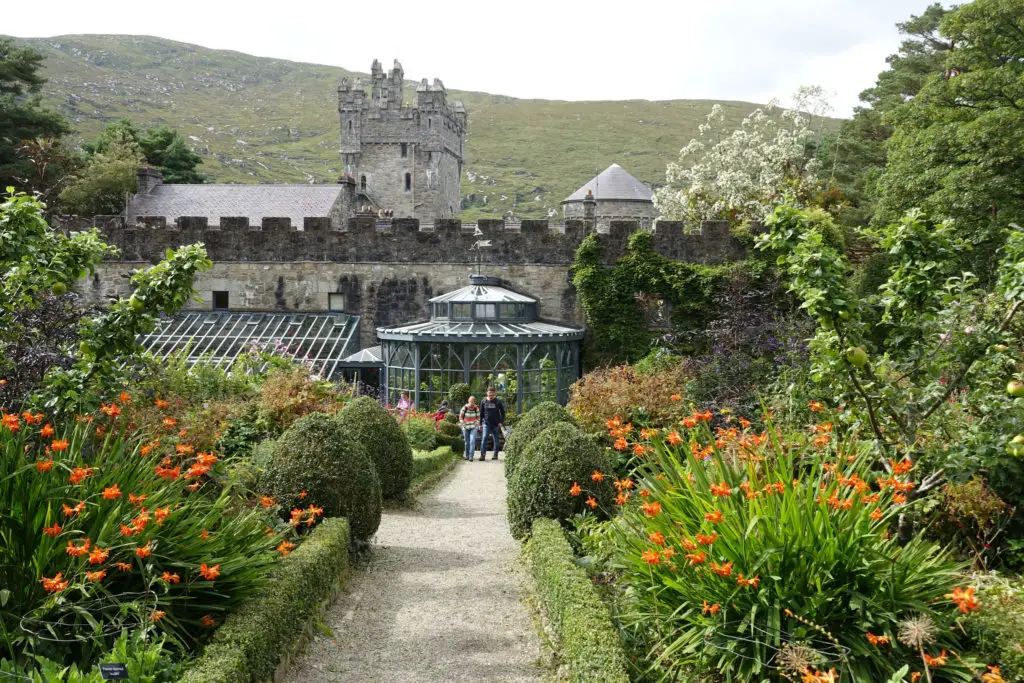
492, 412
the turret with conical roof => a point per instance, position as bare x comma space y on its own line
616, 195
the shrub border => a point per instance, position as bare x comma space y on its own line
440, 462
266, 632
585, 638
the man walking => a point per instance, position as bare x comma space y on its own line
492, 413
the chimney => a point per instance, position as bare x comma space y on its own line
147, 179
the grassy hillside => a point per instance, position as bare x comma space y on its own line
256, 119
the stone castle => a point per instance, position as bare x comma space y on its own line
382, 241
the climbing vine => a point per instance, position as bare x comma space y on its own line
621, 301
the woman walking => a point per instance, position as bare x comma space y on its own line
469, 418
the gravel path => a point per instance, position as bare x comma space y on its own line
440, 598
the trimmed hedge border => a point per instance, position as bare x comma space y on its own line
428, 468
586, 639
265, 632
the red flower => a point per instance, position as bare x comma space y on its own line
651, 557
98, 555
652, 508
592, 502
111, 492
168, 577
964, 599
145, 551
96, 575
56, 584
722, 490
710, 609
714, 517
47, 431
208, 621
44, 465
209, 573
52, 531
656, 537
722, 569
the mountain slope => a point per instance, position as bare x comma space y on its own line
256, 119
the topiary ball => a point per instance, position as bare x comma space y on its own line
458, 395
542, 416
366, 422
540, 485
315, 455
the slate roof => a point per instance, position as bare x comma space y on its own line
216, 200
442, 330
482, 294
615, 183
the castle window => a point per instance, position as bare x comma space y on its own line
429, 124
336, 302
405, 149
362, 182
350, 125
220, 301
408, 181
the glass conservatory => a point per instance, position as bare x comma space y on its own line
482, 335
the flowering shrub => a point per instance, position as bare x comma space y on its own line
768, 555
623, 391
419, 429
288, 394
101, 533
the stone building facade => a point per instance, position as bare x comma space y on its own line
612, 195
404, 159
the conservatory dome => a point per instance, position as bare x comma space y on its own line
481, 335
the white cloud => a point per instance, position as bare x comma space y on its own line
662, 49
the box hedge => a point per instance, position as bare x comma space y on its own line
256, 637
587, 641
542, 416
369, 424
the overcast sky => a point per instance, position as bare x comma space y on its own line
749, 50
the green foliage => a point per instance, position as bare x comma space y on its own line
165, 149
103, 185
366, 422
997, 629
796, 512
288, 392
76, 622
537, 488
255, 637
587, 640
535, 421
458, 395
146, 660
318, 456
22, 113
419, 429
957, 149
428, 462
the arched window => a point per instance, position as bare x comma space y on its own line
408, 181
362, 182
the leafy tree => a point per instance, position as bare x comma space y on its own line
855, 156
165, 149
22, 115
957, 149
743, 175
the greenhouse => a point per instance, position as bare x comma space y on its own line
481, 335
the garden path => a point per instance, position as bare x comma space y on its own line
440, 599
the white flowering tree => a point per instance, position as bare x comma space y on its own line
746, 173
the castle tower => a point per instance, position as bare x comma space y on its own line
404, 158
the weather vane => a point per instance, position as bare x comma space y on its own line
478, 246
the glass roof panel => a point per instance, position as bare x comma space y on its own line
321, 340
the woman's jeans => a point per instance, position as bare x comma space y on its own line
469, 436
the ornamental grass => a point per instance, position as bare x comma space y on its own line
100, 533
738, 551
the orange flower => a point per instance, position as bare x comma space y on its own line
740, 581
315, 511
112, 492
722, 490
994, 675
54, 585
124, 567
208, 621
688, 544
597, 476
10, 420
168, 577
72, 511
744, 422
160, 514
47, 431
168, 472
689, 422
722, 569
79, 474
656, 537
136, 500
204, 535
964, 599
209, 573
899, 499
877, 640
620, 444
710, 609
157, 615
875, 515
302, 494
125, 398
98, 555
815, 407
575, 490
651, 508
169, 422
78, 550
208, 459
651, 557
145, 551
52, 531
676, 397
44, 465
621, 484
128, 530
707, 540
285, 548
714, 517
96, 576
668, 553
697, 558
59, 445
266, 502
820, 441
940, 660
622, 498
673, 438
111, 411
591, 502
160, 403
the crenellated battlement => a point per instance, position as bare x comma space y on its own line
366, 239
